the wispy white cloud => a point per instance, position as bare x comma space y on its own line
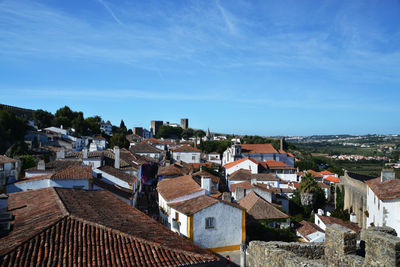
226, 17
110, 11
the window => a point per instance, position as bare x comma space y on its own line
177, 157
193, 157
210, 222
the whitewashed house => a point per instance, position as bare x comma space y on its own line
310, 232
186, 208
8, 170
210, 223
244, 163
214, 157
106, 128
145, 149
98, 143
123, 185
78, 177
186, 153
43, 168
383, 200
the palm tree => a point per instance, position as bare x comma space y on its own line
308, 188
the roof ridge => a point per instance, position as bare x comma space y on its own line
60, 203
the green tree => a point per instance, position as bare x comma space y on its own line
42, 118
166, 131
12, 130
200, 133
93, 123
119, 139
64, 117
122, 127
187, 133
28, 161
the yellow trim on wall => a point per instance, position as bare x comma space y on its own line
243, 226
226, 248
190, 227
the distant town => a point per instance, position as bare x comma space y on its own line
78, 190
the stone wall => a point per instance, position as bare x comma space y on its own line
355, 198
382, 248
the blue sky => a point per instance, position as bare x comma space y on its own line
245, 67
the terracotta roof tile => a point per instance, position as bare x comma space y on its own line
144, 147
333, 220
113, 188
326, 173
387, 190
130, 179
173, 188
332, 179
236, 162
323, 185
76, 227
5, 159
315, 174
258, 148
259, 209
205, 173
74, 172
57, 165
194, 205
308, 228
185, 148
277, 165
176, 169
246, 175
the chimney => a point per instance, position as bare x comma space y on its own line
206, 184
320, 212
387, 175
116, 157
85, 153
201, 168
3, 203
226, 196
353, 218
253, 181
41, 165
282, 141
61, 153
239, 193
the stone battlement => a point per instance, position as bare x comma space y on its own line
380, 245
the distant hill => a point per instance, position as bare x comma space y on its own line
22, 112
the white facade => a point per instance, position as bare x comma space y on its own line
106, 128
188, 157
290, 177
214, 158
227, 230
383, 212
8, 170
246, 165
153, 155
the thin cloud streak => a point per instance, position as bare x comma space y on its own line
226, 18
110, 11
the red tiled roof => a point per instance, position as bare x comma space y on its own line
387, 190
258, 148
315, 174
332, 179
326, 173
74, 172
144, 147
323, 185
198, 165
5, 159
173, 188
290, 155
194, 205
333, 220
185, 148
205, 173
308, 228
244, 185
65, 227
277, 165
179, 168
231, 164
130, 179
260, 209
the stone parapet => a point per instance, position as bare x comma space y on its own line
382, 248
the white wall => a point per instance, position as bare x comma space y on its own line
95, 163
183, 219
186, 156
246, 165
228, 226
43, 183
292, 177
112, 179
383, 213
